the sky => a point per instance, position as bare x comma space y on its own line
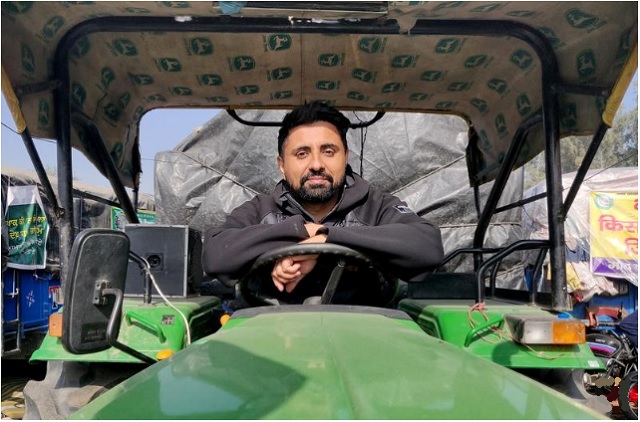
161, 130
156, 134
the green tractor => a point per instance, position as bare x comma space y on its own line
452, 344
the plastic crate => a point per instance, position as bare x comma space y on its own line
29, 297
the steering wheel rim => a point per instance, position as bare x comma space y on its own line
309, 249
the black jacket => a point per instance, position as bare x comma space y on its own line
366, 219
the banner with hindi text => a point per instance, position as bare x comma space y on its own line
118, 219
614, 234
27, 228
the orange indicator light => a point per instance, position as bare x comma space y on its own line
55, 325
568, 331
164, 354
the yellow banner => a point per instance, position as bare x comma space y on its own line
614, 233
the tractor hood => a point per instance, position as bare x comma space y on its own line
328, 362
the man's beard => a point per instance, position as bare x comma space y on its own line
315, 193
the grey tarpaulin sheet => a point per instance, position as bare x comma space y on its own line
88, 213
225, 163
578, 230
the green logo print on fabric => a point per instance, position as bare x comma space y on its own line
28, 60
371, 44
107, 75
279, 42
243, 63
280, 73
523, 105
43, 114
125, 47
363, 75
432, 75
586, 64
52, 26
210, 79
80, 48
169, 64
142, 79
581, 20
17, 7
448, 46
329, 60
201, 46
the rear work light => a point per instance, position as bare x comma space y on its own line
542, 329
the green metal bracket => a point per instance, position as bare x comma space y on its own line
499, 320
155, 328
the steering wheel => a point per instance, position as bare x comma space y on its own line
342, 256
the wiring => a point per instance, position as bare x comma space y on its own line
147, 271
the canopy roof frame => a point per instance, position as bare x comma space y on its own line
544, 51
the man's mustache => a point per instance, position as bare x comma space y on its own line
316, 174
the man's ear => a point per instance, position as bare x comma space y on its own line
280, 162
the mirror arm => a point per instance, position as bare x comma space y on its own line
113, 327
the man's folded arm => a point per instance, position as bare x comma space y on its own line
230, 251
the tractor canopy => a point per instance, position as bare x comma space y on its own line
501, 66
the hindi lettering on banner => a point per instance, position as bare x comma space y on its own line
27, 228
608, 222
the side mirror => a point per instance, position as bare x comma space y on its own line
97, 273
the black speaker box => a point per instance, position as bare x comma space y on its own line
174, 254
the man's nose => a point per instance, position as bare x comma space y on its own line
316, 162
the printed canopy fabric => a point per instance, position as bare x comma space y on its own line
493, 82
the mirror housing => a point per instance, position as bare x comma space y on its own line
98, 261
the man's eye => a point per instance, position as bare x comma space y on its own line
329, 152
301, 154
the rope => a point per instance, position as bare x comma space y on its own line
479, 307
502, 335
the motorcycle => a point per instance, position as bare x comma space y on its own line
619, 381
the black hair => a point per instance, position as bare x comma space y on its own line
308, 113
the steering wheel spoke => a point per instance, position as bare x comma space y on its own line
332, 284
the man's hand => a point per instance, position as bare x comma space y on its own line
288, 271
312, 228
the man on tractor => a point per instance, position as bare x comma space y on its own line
320, 199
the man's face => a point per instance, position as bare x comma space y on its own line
313, 162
